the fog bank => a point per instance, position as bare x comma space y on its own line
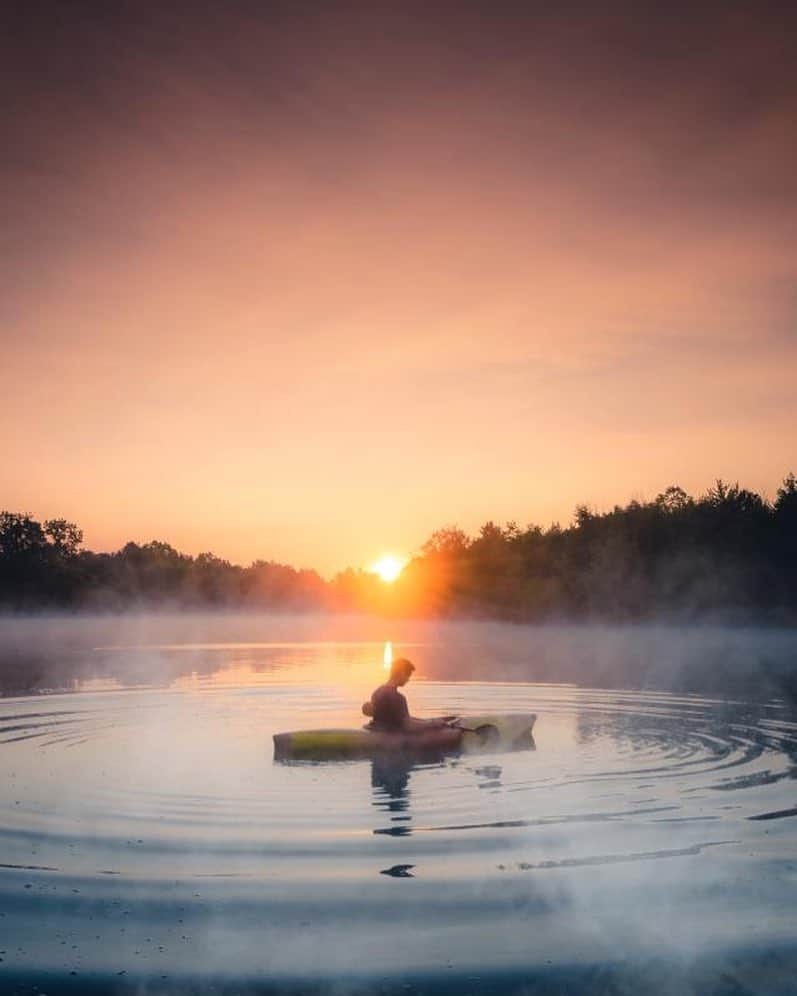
41, 653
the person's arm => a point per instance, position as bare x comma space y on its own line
438, 721
413, 725
408, 723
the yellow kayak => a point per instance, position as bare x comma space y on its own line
468, 734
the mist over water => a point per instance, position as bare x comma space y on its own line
150, 843
63, 652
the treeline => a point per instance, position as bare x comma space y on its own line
729, 552
43, 565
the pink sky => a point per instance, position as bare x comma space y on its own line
308, 289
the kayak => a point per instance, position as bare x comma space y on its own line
468, 734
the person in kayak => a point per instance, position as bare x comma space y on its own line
388, 707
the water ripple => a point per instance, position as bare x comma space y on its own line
151, 828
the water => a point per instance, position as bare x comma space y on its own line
150, 843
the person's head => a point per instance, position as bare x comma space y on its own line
400, 671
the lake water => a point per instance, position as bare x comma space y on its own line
150, 843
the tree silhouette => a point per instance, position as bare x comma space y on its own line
729, 552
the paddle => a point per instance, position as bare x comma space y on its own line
486, 732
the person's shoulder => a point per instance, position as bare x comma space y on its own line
387, 691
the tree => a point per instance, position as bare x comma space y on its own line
65, 536
23, 559
448, 541
673, 499
786, 502
20, 536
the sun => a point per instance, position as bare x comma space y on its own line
389, 567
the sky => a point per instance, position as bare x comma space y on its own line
306, 281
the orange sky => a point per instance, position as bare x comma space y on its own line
307, 286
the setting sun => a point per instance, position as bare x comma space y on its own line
389, 567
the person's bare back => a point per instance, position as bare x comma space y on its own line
388, 707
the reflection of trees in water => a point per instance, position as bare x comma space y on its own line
57, 667
748, 663
22, 673
58, 653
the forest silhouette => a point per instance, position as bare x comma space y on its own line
729, 554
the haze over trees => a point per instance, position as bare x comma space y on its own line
729, 552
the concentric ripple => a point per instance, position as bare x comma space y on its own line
149, 831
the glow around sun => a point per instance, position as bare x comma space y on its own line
389, 567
